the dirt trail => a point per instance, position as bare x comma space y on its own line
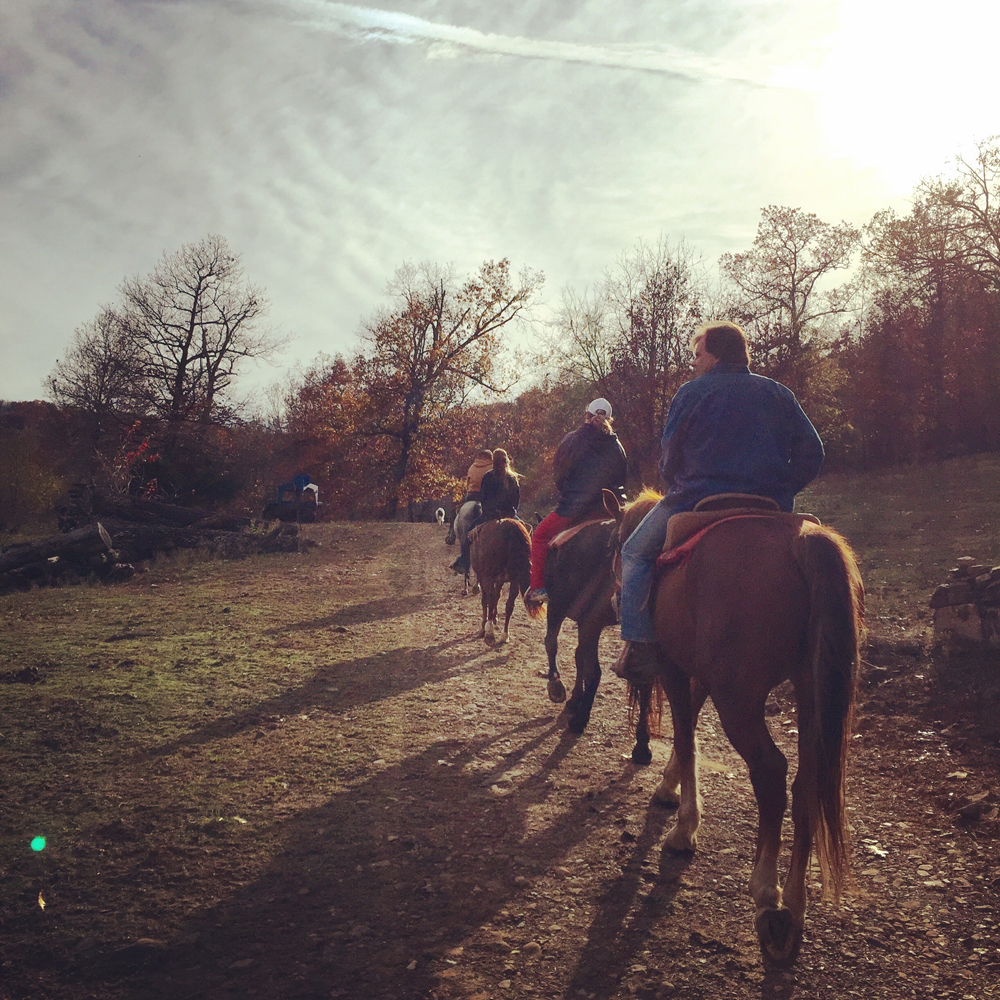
398, 812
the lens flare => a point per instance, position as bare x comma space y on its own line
38, 844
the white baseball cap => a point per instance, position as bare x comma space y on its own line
600, 404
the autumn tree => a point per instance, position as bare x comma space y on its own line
939, 266
438, 343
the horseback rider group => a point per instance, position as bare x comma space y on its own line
727, 431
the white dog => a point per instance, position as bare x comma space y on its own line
439, 515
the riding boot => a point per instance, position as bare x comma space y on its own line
637, 662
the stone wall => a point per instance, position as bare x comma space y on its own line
968, 605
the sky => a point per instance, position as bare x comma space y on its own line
331, 142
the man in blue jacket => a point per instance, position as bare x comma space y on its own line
728, 431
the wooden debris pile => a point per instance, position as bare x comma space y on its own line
108, 535
968, 604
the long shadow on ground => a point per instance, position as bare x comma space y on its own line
338, 688
366, 899
371, 611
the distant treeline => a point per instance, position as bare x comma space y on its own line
889, 336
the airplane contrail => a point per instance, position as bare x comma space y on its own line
371, 22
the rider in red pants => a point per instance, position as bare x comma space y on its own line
588, 460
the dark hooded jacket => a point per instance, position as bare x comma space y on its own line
499, 497
588, 461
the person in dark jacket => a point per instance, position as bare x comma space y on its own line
500, 489
587, 461
727, 431
499, 494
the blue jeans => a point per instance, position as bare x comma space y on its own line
639, 554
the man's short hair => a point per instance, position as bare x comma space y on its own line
725, 341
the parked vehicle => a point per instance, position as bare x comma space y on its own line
295, 501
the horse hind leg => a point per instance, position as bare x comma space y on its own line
779, 952
491, 597
668, 791
556, 689
484, 598
588, 679
684, 835
779, 929
508, 611
640, 700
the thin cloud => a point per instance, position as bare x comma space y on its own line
392, 26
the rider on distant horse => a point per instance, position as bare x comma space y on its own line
588, 460
482, 464
728, 431
500, 490
499, 494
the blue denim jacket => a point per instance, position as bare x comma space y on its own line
730, 431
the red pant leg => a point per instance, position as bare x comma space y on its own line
540, 539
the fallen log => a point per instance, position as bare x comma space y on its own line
80, 545
145, 511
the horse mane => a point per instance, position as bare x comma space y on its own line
637, 509
520, 526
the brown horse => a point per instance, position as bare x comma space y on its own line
580, 582
762, 599
501, 553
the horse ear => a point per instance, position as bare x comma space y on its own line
613, 505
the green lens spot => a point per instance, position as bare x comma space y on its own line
38, 844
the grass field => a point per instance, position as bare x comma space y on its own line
909, 525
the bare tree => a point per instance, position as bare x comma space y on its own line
195, 319
583, 346
654, 296
101, 373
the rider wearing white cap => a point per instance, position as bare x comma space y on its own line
589, 459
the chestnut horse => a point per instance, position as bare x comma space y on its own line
580, 582
762, 599
501, 553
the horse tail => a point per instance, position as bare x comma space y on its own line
835, 632
519, 561
646, 700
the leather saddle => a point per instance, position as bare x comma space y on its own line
684, 526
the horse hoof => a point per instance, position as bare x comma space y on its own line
641, 755
779, 938
666, 797
681, 843
557, 692
577, 723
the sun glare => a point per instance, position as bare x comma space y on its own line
904, 88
